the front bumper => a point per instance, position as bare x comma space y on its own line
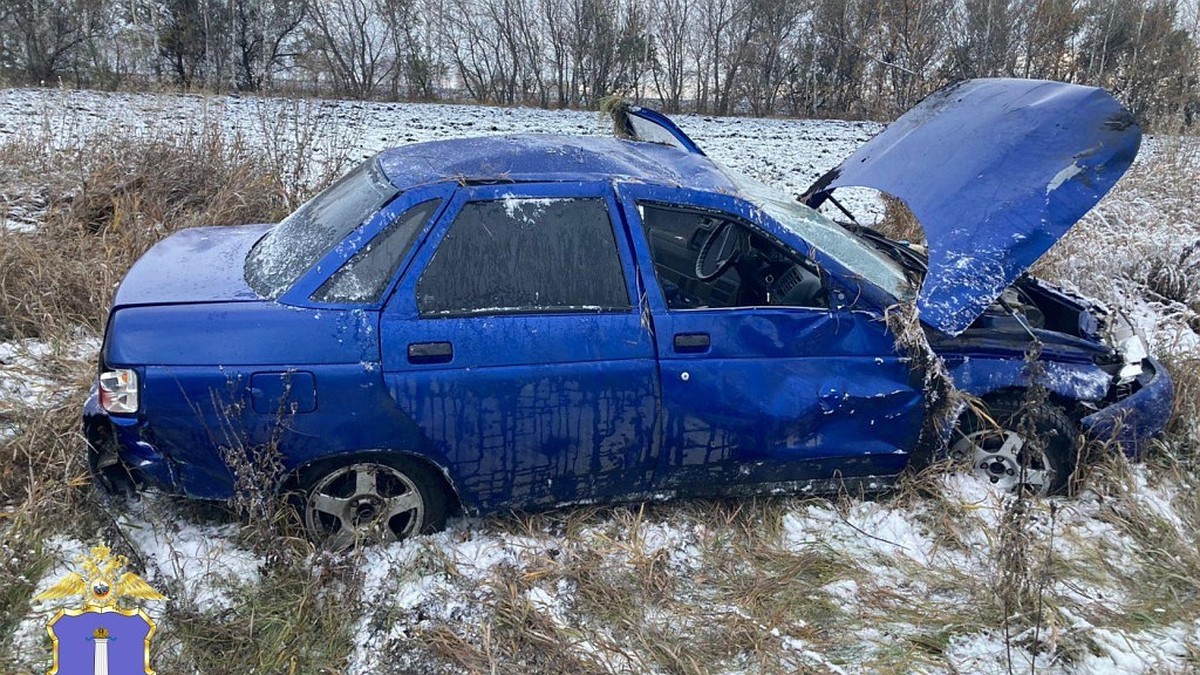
1135, 419
120, 459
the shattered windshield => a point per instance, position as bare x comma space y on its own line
311, 231
856, 254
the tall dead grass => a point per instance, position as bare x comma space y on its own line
898, 222
106, 201
87, 210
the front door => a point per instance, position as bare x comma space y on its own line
515, 344
762, 381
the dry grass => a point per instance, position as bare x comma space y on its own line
105, 203
291, 621
899, 223
617, 597
100, 204
1184, 427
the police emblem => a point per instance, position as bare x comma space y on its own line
97, 633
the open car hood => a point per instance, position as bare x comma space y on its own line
996, 171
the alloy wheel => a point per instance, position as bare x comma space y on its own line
364, 502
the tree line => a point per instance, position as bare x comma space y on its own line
809, 58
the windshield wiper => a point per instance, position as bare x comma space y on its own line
909, 259
841, 208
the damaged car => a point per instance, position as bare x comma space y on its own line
526, 321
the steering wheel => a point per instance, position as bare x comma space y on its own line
720, 250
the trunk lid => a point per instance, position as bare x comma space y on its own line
198, 265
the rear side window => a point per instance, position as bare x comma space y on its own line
311, 231
525, 255
365, 277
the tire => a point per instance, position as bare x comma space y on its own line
372, 499
1001, 456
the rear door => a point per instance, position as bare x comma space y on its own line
758, 395
515, 344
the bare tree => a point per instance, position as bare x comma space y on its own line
671, 32
556, 19
49, 34
1140, 52
413, 27
985, 37
184, 39
771, 51
726, 30
831, 59
479, 56
263, 35
1050, 30
912, 43
351, 40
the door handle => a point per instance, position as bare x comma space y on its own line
692, 343
430, 352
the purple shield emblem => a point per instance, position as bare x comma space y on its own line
101, 641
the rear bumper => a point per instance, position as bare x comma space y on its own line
1137, 418
121, 461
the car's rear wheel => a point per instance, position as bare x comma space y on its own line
1003, 452
372, 500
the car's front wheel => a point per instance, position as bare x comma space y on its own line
373, 500
1031, 450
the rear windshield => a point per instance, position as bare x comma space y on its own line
303, 238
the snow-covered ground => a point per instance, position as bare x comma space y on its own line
789, 153
896, 584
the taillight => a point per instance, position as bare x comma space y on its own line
119, 391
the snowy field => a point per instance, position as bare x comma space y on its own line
788, 153
913, 582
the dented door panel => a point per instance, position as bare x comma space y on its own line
772, 394
783, 395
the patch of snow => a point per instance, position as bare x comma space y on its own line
1158, 650
200, 562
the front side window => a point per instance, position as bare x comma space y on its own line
304, 237
518, 255
743, 266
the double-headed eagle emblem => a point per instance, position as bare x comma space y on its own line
102, 583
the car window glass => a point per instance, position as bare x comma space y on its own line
763, 271
645, 130
525, 255
304, 237
364, 278
835, 241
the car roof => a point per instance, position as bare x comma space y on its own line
545, 157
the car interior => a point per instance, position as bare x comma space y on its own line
704, 259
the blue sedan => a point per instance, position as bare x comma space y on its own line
526, 321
